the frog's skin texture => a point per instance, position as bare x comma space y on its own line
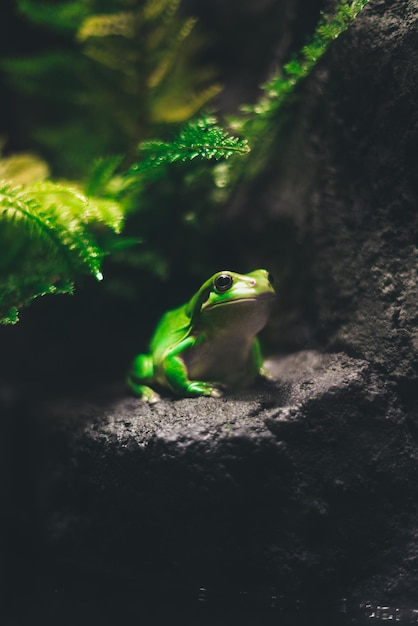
210, 343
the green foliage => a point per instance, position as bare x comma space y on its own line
47, 240
102, 174
127, 73
255, 121
65, 17
122, 68
282, 84
329, 28
152, 47
205, 138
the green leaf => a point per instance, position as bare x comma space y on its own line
202, 138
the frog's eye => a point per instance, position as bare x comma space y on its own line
271, 279
223, 282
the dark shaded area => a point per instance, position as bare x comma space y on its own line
18, 38
249, 40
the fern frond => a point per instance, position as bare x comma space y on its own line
58, 215
255, 120
154, 49
202, 138
101, 174
283, 83
53, 224
17, 292
169, 58
23, 168
172, 108
61, 16
114, 24
154, 9
74, 205
51, 72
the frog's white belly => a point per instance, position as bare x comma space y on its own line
225, 359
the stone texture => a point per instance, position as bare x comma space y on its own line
335, 207
306, 485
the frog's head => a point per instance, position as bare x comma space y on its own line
228, 298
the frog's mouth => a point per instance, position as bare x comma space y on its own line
267, 297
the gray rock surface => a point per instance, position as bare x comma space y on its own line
305, 484
336, 204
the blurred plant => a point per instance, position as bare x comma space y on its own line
136, 78
119, 69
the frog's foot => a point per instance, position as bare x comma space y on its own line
145, 393
197, 388
265, 375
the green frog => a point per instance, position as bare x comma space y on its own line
208, 344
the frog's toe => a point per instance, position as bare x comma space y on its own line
204, 389
145, 393
151, 397
265, 375
215, 392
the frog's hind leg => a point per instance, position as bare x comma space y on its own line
142, 371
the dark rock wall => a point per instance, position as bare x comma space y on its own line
345, 178
364, 217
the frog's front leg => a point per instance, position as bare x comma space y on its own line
177, 375
258, 362
142, 371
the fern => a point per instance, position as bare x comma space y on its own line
64, 17
154, 49
102, 175
201, 138
255, 121
55, 221
18, 291
23, 168
329, 28
135, 67
205, 138
282, 84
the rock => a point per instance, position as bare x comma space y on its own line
333, 215
299, 485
